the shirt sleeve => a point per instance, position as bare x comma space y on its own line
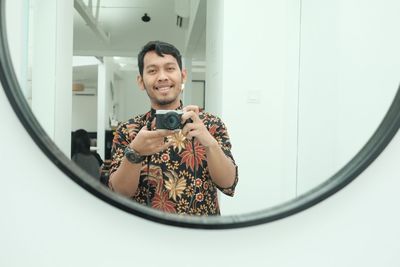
123, 136
218, 130
120, 141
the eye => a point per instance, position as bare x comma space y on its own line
171, 68
151, 71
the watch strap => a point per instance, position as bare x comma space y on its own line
132, 156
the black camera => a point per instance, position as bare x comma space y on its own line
169, 119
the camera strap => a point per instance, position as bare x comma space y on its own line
151, 118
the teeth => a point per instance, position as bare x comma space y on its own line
163, 88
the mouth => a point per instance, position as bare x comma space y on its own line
163, 88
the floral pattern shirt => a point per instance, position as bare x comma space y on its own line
176, 180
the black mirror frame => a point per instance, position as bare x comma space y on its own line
370, 151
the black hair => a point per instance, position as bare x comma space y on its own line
80, 142
160, 48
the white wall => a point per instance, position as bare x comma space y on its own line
52, 69
84, 112
133, 101
247, 70
48, 220
19, 50
349, 74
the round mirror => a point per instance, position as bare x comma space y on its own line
307, 90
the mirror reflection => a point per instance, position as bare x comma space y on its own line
300, 85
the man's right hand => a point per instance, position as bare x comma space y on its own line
151, 142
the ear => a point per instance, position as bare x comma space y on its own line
139, 80
184, 75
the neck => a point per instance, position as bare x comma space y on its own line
172, 106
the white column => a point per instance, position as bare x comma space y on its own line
105, 102
52, 69
214, 48
101, 107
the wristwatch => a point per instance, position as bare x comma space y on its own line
132, 156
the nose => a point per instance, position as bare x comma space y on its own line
162, 76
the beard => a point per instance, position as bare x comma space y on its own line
162, 101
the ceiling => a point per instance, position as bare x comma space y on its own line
115, 28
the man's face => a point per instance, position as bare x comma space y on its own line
162, 79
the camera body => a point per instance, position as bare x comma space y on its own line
169, 119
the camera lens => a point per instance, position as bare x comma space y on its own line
172, 121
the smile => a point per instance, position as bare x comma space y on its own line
163, 89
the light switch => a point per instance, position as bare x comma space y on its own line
253, 96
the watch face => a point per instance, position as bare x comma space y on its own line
133, 156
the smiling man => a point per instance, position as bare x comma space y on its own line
177, 171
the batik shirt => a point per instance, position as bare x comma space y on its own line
176, 180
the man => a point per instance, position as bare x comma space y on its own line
173, 171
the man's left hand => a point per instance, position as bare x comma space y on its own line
196, 128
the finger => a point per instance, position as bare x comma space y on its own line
165, 146
193, 108
160, 133
192, 134
190, 115
165, 133
187, 128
